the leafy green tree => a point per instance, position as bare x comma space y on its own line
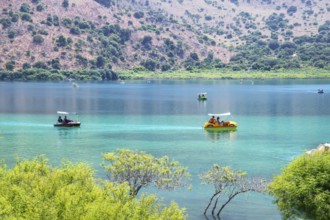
231, 183
75, 30
40, 7
10, 65
100, 62
138, 15
61, 41
65, 3
36, 190
26, 17
25, 8
149, 64
302, 189
139, 170
273, 44
38, 39
11, 34
6, 22
147, 42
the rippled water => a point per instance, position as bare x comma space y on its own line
277, 119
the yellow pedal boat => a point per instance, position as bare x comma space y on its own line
215, 123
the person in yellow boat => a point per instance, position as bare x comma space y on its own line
212, 120
218, 120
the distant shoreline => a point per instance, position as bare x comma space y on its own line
227, 74
196, 74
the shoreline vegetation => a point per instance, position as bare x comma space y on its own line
108, 74
227, 74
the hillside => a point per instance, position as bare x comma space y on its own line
164, 34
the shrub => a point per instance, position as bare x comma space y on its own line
26, 17
138, 15
75, 31
25, 8
10, 65
302, 189
38, 39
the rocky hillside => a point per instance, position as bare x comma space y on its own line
164, 34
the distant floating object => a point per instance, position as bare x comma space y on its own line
202, 96
320, 91
75, 85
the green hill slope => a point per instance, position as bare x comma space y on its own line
163, 35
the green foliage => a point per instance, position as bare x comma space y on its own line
75, 30
231, 183
11, 34
38, 39
275, 22
10, 65
291, 10
62, 41
147, 42
65, 3
139, 169
40, 7
25, 8
100, 62
273, 44
138, 14
36, 190
150, 64
324, 27
26, 17
40, 72
302, 189
106, 3
6, 22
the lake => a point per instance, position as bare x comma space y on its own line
277, 121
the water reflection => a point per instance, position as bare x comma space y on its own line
67, 133
220, 135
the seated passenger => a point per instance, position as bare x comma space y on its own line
60, 120
212, 120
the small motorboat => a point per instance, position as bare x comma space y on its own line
216, 124
66, 122
202, 96
320, 91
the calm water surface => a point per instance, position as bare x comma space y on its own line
278, 120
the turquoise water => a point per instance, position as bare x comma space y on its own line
278, 120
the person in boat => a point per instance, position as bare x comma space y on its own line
218, 121
66, 120
212, 120
60, 120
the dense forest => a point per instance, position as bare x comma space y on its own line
46, 39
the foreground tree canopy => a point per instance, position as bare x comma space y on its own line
303, 188
36, 190
231, 183
139, 170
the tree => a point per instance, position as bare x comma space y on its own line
302, 189
147, 42
230, 183
10, 65
139, 170
100, 62
25, 8
273, 44
61, 41
36, 190
38, 39
65, 3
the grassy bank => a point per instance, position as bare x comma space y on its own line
227, 74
